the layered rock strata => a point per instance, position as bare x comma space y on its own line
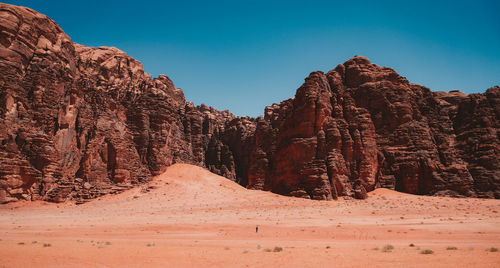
78, 122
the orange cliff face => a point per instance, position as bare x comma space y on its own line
79, 122
361, 126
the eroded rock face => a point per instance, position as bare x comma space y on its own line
79, 122
361, 126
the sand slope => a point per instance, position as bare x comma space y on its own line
189, 217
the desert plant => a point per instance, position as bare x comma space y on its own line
412, 245
387, 248
451, 248
277, 249
426, 251
493, 249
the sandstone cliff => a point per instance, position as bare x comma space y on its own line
78, 122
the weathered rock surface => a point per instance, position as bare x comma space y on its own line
78, 122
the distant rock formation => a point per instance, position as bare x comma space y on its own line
361, 126
78, 122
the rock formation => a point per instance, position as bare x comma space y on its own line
78, 122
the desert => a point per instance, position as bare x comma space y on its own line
189, 217
105, 165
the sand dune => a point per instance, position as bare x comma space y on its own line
189, 217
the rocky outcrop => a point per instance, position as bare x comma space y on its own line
361, 126
79, 122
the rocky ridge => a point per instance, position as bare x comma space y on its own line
79, 122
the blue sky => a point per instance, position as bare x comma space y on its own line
244, 55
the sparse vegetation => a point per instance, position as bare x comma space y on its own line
451, 248
492, 249
46, 245
412, 245
150, 245
426, 251
267, 250
20, 243
277, 249
387, 248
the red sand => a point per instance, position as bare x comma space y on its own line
193, 218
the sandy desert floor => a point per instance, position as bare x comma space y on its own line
189, 217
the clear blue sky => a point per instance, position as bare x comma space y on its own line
244, 55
